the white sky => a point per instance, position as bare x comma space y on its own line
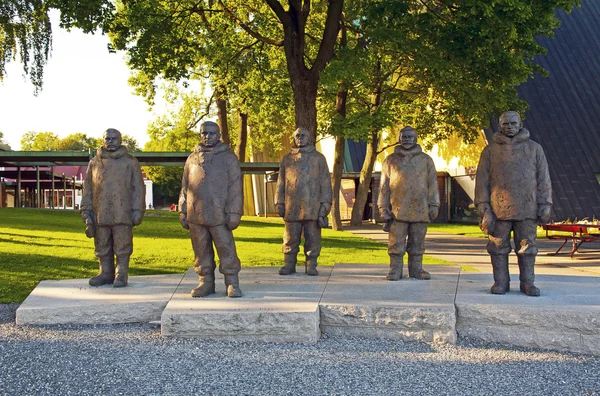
85, 90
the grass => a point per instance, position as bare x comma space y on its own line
474, 231
38, 244
456, 229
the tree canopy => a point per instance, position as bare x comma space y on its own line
49, 141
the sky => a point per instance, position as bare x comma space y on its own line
85, 90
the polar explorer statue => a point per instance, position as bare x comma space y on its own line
513, 192
211, 206
408, 200
113, 201
303, 199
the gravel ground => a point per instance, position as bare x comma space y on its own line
135, 359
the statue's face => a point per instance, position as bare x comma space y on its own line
408, 139
112, 141
210, 135
301, 138
510, 124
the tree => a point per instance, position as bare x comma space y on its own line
440, 67
49, 141
39, 141
2, 141
26, 33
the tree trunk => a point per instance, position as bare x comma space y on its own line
240, 148
338, 163
365, 180
304, 87
367, 169
221, 99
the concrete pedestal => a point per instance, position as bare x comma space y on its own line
74, 301
359, 301
565, 317
274, 308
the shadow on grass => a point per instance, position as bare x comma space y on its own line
21, 273
50, 244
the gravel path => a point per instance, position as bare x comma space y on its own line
135, 359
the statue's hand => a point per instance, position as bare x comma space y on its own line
183, 221
482, 208
137, 218
387, 215
433, 212
324, 209
488, 222
233, 221
543, 214
281, 209
87, 217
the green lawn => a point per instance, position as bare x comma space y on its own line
474, 231
456, 229
38, 244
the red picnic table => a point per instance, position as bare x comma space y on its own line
580, 233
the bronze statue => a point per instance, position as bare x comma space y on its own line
113, 201
408, 200
303, 199
211, 205
513, 192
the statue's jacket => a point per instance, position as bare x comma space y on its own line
512, 177
211, 187
408, 185
303, 183
113, 188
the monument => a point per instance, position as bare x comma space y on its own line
408, 200
303, 199
211, 206
513, 192
113, 202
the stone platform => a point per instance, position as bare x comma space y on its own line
274, 308
566, 316
74, 301
359, 301
351, 300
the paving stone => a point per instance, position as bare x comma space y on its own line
274, 308
74, 301
359, 301
565, 317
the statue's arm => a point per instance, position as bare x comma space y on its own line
325, 187
383, 201
183, 197
280, 190
544, 188
139, 193
87, 197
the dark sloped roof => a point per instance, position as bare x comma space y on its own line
564, 111
354, 156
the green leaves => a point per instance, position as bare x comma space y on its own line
26, 35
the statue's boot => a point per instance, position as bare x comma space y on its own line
206, 286
415, 267
122, 272
107, 273
527, 276
396, 265
501, 275
311, 267
232, 283
290, 264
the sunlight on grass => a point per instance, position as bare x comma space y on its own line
38, 244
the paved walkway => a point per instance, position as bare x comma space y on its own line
471, 251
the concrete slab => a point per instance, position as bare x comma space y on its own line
274, 308
74, 301
359, 301
565, 317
